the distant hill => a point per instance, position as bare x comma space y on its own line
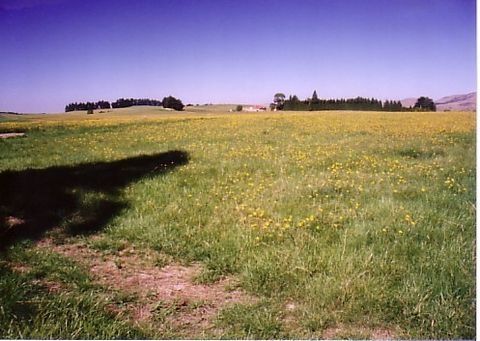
408, 102
465, 102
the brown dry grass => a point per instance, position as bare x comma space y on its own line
345, 332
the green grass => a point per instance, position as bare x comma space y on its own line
364, 220
29, 311
256, 321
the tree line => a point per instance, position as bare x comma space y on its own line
358, 103
87, 106
130, 102
167, 102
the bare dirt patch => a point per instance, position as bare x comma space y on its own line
10, 135
343, 332
20, 268
12, 221
51, 286
162, 294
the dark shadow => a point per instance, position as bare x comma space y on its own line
80, 199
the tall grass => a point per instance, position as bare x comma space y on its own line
362, 219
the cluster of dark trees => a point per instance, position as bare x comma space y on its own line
172, 103
425, 104
358, 103
130, 102
167, 102
314, 103
87, 106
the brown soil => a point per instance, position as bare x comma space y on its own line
12, 221
360, 331
166, 294
9, 135
20, 268
51, 286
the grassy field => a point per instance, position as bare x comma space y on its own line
270, 225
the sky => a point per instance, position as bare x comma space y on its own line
54, 52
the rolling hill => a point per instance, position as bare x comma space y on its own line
465, 102
408, 102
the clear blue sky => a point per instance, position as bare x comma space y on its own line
232, 51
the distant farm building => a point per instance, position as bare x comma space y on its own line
255, 108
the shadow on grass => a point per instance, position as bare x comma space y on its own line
81, 199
